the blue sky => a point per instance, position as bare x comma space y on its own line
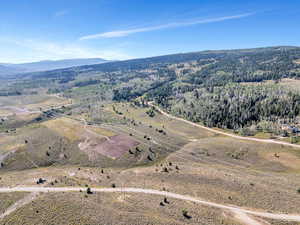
33, 30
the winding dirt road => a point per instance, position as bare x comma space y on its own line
241, 213
18, 204
221, 132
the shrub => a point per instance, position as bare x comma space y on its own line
185, 214
89, 191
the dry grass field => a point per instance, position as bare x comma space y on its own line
288, 83
9, 199
183, 159
5, 112
70, 129
19, 111
291, 84
32, 102
114, 209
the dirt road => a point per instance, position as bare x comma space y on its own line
241, 213
223, 133
18, 204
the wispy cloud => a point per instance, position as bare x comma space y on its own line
61, 13
62, 51
27, 50
123, 33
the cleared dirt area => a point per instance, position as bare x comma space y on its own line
105, 142
116, 146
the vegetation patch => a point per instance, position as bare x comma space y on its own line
66, 127
101, 131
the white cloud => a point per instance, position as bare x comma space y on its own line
36, 50
122, 33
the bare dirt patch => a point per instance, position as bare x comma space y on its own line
114, 147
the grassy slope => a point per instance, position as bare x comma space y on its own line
215, 168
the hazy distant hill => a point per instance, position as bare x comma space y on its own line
10, 69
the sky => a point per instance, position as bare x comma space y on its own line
34, 30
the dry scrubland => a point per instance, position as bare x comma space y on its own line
185, 160
9, 199
19, 111
114, 209
31, 102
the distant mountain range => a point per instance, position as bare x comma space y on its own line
11, 69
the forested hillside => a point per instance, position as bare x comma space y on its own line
227, 89
261, 106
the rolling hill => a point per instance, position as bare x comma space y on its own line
221, 127
11, 69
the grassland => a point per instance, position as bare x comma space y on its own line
19, 111
33, 102
291, 84
114, 208
9, 199
186, 160
97, 142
